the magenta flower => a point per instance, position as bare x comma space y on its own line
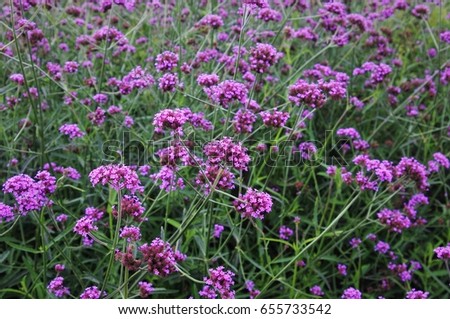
262, 57
351, 293
160, 258
57, 288
219, 283
92, 292
443, 252
71, 130
166, 61
417, 294
316, 290
145, 289
117, 176
254, 204
131, 233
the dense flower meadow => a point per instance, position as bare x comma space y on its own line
224, 149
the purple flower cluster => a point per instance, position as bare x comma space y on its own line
168, 82
57, 288
117, 176
213, 21
207, 80
225, 151
167, 175
218, 283
218, 229
6, 213
174, 120
166, 61
145, 289
351, 293
443, 252
274, 118
417, 294
137, 78
92, 292
378, 72
250, 286
30, 194
303, 92
132, 207
263, 56
243, 121
160, 258
316, 290
285, 232
227, 92
254, 204
71, 130
131, 233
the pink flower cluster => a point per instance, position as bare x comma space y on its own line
117, 176
254, 204
30, 194
218, 283
160, 258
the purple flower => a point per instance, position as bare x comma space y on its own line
168, 82
29, 194
160, 258
84, 226
71, 130
6, 213
172, 119
131, 233
316, 290
137, 78
210, 20
351, 293
268, 14
394, 220
59, 267
262, 57
285, 232
71, 67
350, 133
56, 287
382, 247
342, 269
18, 78
145, 289
274, 118
243, 121
417, 294
117, 176
250, 286
218, 229
421, 11
253, 204
168, 177
443, 252
97, 117
219, 282
228, 152
227, 92
307, 150
166, 61
207, 80
355, 242
131, 206
92, 293
304, 93
214, 175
